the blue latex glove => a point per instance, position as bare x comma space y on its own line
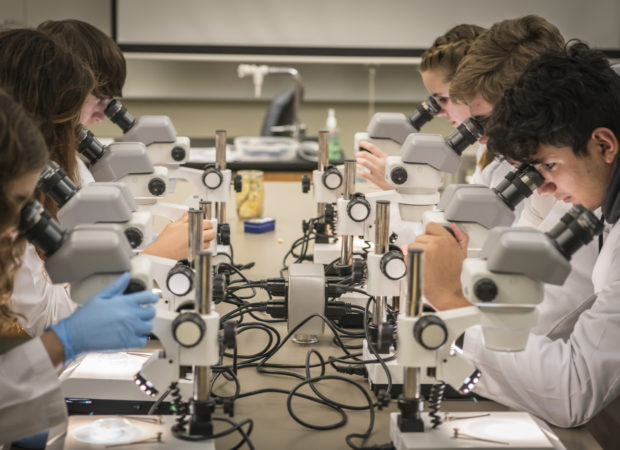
36, 441
109, 321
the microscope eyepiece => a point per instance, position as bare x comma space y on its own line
576, 228
118, 114
424, 113
518, 185
57, 184
89, 145
39, 227
466, 134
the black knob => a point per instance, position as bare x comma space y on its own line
212, 178
134, 236
305, 184
430, 332
238, 183
157, 187
178, 153
135, 285
223, 234
398, 175
188, 329
485, 289
180, 279
358, 208
219, 287
331, 178
392, 265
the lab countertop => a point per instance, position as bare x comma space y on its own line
273, 426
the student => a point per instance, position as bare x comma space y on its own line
494, 62
437, 67
105, 59
563, 116
100, 53
31, 399
52, 85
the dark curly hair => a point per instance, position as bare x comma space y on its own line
559, 100
22, 151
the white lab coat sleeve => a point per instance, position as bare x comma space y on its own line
567, 382
32, 399
85, 176
40, 302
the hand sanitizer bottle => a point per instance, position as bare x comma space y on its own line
335, 151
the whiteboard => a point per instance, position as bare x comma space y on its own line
344, 24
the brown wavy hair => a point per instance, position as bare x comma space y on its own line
96, 49
22, 151
449, 49
497, 58
52, 85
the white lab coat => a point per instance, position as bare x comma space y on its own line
40, 302
31, 399
563, 382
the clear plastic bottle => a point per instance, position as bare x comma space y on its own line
335, 150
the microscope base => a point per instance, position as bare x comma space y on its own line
147, 430
494, 430
378, 379
102, 383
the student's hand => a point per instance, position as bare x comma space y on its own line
109, 321
372, 164
172, 241
443, 262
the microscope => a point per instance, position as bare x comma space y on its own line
476, 208
189, 339
125, 162
89, 256
96, 203
417, 173
388, 131
504, 286
155, 132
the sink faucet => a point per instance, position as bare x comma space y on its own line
258, 73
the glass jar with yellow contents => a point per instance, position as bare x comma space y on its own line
252, 196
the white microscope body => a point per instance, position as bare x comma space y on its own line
89, 257
504, 286
388, 131
155, 132
476, 208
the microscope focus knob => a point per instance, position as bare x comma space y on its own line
398, 175
485, 289
135, 237
358, 208
188, 329
238, 183
430, 332
157, 186
305, 184
392, 264
212, 178
178, 153
180, 279
331, 178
